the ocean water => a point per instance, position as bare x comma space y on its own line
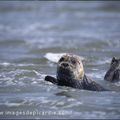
32, 36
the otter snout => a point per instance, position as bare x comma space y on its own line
64, 64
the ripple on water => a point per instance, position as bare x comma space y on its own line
20, 77
14, 103
11, 43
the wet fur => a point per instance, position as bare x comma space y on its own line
113, 74
70, 72
85, 83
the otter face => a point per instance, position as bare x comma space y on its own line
70, 66
113, 74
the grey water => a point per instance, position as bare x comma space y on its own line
31, 29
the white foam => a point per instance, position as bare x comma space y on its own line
54, 57
5, 64
13, 104
117, 84
37, 73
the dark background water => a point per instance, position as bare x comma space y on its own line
29, 30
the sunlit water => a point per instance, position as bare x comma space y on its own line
30, 30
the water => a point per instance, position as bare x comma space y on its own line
30, 30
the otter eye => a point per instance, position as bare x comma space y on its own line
73, 61
61, 59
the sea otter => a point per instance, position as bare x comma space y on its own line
70, 72
113, 74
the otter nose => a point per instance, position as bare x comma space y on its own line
65, 64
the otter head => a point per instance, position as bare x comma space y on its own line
113, 74
70, 66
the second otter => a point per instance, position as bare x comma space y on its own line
70, 72
113, 74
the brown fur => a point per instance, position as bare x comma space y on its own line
70, 72
70, 65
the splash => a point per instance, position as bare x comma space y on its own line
54, 57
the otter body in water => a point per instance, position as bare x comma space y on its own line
70, 72
113, 74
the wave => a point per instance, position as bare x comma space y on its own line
54, 57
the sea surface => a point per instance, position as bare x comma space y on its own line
30, 30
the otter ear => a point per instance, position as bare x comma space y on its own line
113, 60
